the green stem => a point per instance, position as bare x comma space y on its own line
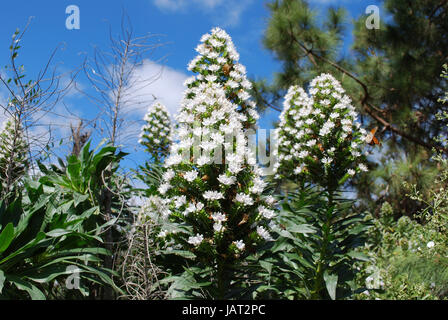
321, 267
221, 279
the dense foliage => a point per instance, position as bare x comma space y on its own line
342, 215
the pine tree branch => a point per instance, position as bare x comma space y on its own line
308, 52
442, 3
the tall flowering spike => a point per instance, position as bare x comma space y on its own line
218, 62
156, 134
13, 153
319, 140
212, 183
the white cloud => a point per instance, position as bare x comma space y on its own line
165, 85
166, 88
172, 5
3, 115
223, 12
175, 5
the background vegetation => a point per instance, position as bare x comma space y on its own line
77, 227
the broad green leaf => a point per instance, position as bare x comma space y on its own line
300, 228
282, 245
101, 273
78, 198
45, 275
331, 282
266, 265
6, 237
27, 286
28, 249
58, 233
358, 255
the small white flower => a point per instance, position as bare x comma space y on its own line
199, 206
309, 121
191, 175
163, 234
303, 154
214, 67
245, 199
239, 245
334, 115
262, 232
225, 180
219, 217
203, 160
270, 200
267, 213
327, 160
218, 227
258, 186
196, 240
298, 170
167, 176
163, 188
180, 201
363, 167
430, 244
213, 195
311, 143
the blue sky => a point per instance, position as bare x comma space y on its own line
180, 24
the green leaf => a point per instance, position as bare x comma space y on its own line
6, 237
181, 253
282, 245
331, 281
58, 233
78, 198
266, 265
300, 228
28, 249
27, 286
49, 273
358, 256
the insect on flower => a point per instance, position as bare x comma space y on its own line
349, 137
226, 69
244, 220
371, 139
321, 148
